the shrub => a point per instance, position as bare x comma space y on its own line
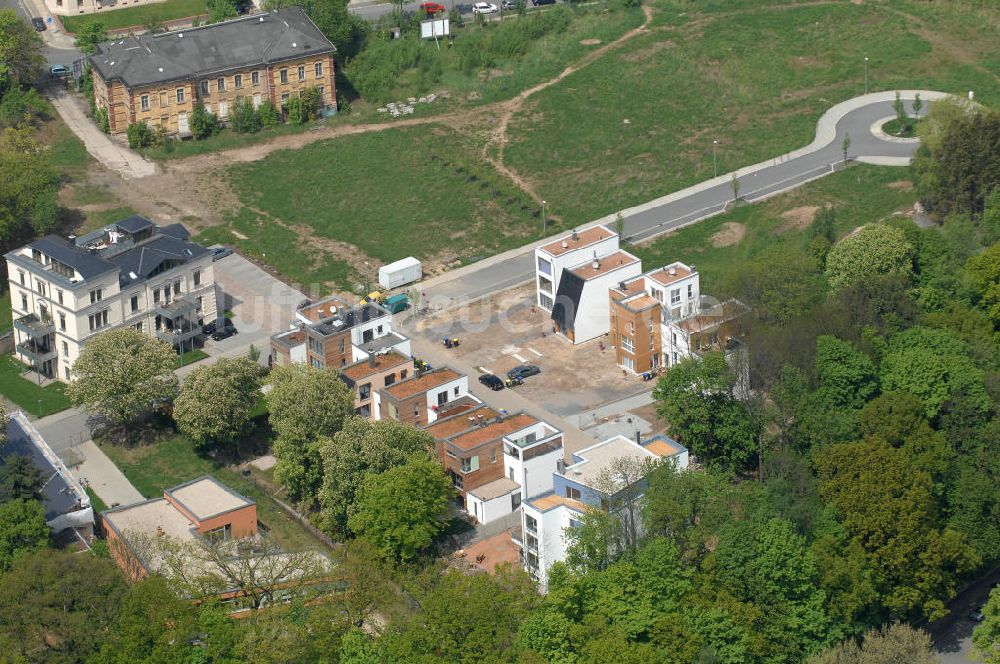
268, 115
295, 111
139, 135
244, 118
311, 102
203, 124
102, 120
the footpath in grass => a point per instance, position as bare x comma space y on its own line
640, 122
721, 245
172, 460
29, 396
137, 17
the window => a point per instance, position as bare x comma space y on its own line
59, 295
66, 369
134, 301
675, 296
21, 274
365, 391
220, 534
544, 266
390, 379
442, 398
24, 302
302, 72
220, 84
456, 390
255, 78
572, 492
256, 100
177, 287
156, 295
673, 338
62, 321
471, 464
41, 288
283, 76
658, 294
180, 95
416, 410
96, 295
65, 347
164, 99
493, 455
284, 98
631, 326
320, 90
342, 349
204, 88
197, 277
690, 291
318, 68
628, 363
144, 102
627, 345
98, 320
238, 81
574, 523
545, 302
530, 524
138, 326
403, 374
223, 109
164, 120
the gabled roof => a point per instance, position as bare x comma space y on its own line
87, 264
188, 53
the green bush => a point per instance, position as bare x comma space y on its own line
244, 118
295, 111
311, 102
140, 136
21, 106
268, 115
203, 124
101, 118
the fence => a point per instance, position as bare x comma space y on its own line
295, 514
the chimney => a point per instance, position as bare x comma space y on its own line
621, 285
673, 271
638, 438
692, 269
575, 236
565, 244
371, 360
480, 418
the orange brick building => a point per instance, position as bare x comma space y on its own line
159, 78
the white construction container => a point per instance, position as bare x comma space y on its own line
401, 272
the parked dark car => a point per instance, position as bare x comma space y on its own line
538, 3
492, 382
223, 332
522, 371
38, 24
221, 252
210, 328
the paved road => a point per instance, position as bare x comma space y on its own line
372, 11
853, 118
58, 48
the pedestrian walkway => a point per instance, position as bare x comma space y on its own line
99, 473
115, 157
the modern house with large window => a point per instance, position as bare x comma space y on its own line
131, 273
159, 78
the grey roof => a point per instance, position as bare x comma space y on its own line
348, 319
87, 264
143, 259
134, 224
183, 54
176, 230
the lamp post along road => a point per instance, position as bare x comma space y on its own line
866, 74
715, 161
543, 219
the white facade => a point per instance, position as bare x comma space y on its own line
443, 394
573, 250
491, 507
531, 455
593, 315
544, 537
400, 273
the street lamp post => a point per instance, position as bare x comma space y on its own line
866, 74
543, 219
715, 161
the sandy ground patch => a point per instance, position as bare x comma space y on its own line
590, 42
643, 54
797, 218
902, 185
731, 233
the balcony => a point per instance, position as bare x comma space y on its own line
517, 536
36, 352
177, 308
35, 327
179, 333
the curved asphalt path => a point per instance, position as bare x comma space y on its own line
853, 118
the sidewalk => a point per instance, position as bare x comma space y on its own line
100, 474
115, 157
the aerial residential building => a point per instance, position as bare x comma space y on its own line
659, 318
572, 278
132, 273
581, 486
67, 507
417, 400
366, 377
159, 78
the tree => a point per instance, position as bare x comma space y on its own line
268, 114
29, 189
152, 22
983, 271
23, 530
21, 59
202, 123
846, 145
244, 118
122, 374
90, 35
620, 225
696, 398
778, 284
900, 108
877, 249
360, 449
986, 636
594, 542
848, 375
918, 104
139, 135
19, 479
295, 111
686, 508
221, 10
734, 183
154, 625
883, 645
305, 404
58, 606
216, 401
401, 510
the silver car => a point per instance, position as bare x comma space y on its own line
484, 8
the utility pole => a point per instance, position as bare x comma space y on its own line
715, 160
866, 74
544, 226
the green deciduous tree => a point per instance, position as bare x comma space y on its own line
886, 645
216, 401
22, 530
696, 398
154, 625
401, 510
305, 405
268, 114
202, 123
986, 636
90, 35
244, 118
28, 190
122, 374
19, 479
221, 10
687, 508
778, 284
360, 449
877, 249
21, 59
848, 375
140, 135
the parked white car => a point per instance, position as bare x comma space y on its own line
484, 8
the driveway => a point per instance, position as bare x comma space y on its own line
99, 473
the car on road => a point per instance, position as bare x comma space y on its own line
433, 8
224, 332
210, 328
522, 371
539, 3
484, 8
59, 70
510, 5
38, 24
221, 252
492, 382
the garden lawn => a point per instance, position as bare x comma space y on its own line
860, 194
190, 357
138, 16
418, 191
6, 315
639, 122
172, 460
39, 401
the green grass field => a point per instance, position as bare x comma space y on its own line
137, 16
29, 396
639, 123
6, 315
861, 194
172, 460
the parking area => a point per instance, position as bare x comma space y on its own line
500, 333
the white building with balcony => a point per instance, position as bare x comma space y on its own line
131, 273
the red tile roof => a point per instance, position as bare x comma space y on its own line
422, 383
584, 238
362, 369
468, 441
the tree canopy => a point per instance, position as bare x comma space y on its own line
216, 401
23, 530
875, 250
